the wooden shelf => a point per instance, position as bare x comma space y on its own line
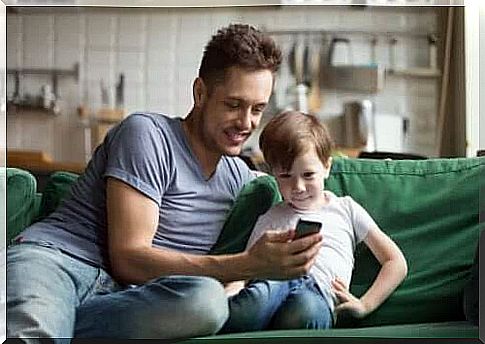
415, 72
16, 108
74, 72
372, 33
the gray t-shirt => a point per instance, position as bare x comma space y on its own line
150, 152
345, 223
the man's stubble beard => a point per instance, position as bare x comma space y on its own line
209, 142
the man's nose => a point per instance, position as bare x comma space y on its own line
244, 120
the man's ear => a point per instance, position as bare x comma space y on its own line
328, 167
199, 91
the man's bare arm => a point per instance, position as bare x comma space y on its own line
133, 221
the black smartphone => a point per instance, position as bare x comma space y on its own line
305, 227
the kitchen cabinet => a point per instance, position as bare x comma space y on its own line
39, 161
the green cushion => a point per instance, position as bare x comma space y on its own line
429, 207
253, 200
57, 188
23, 201
425, 330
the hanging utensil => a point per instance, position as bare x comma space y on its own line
314, 96
300, 62
307, 68
340, 52
297, 68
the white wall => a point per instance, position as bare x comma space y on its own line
159, 50
472, 64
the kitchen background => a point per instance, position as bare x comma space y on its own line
383, 78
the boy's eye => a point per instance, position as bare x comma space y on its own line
308, 175
284, 175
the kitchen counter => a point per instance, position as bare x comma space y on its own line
39, 161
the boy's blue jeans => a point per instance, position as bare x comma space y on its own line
276, 305
52, 295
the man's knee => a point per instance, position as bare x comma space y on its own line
201, 309
208, 305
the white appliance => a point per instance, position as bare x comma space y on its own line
389, 133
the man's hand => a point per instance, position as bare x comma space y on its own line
276, 256
348, 302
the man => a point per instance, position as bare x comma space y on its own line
126, 255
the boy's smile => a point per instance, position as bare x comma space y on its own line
302, 186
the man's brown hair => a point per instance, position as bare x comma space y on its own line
292, 133
238, 45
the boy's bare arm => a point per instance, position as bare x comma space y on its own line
392, 272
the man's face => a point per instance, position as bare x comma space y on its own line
233, 109
302, 186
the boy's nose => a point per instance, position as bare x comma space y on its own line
298, 185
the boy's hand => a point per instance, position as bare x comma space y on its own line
348, 302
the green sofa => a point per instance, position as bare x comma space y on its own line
431, 208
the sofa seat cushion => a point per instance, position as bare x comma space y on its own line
23, 201
454, 329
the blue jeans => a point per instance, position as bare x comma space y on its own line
278, 305
53, 295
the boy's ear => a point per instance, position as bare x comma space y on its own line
328, 167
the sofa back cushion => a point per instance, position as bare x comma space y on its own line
253, 200
23, 201
56, 189
429, 207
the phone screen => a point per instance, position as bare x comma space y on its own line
305, 227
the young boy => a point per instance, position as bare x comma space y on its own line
297, 148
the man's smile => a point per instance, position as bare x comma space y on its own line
235, 136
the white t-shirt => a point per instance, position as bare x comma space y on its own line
345, 223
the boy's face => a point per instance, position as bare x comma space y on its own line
302, 186
233, 109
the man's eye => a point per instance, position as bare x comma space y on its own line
284, 175
232, 105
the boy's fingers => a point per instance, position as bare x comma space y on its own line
338, 282
342, 296
342, 307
